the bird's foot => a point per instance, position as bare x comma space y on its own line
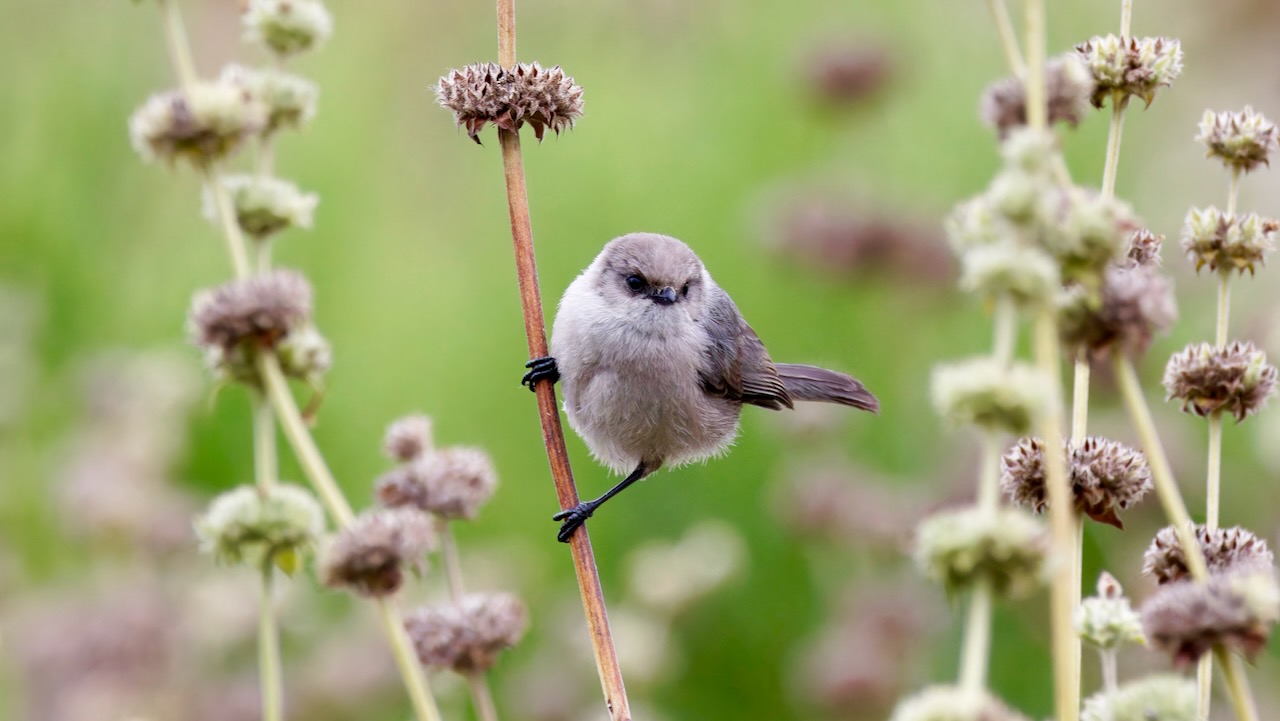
573, 517
540, 369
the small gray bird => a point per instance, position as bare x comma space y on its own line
656, 361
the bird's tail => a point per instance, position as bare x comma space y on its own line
808, 383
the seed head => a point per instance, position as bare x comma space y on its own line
1068, 85
207, 123
305, 354
246, 526
1225, 550
264, 205
1226, 242
1010, 269
528, 93
1006, 548
1107, 620
258, 311
1136, 302
1242, 141
1166, 697
1236, 379
1106, 477
468, 636
1130, 67
369, 556
287, 27
408, 438
290, 99
988, 393
1237, 610
952, 703
452, 483
1144, 248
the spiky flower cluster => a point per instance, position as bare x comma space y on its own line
1236, 610
202, 124
369, 556
1166, 697
1106, 477
1135, 303
1144, 248
1004, 548
256, 527
952, 703
527, 93
1124, 67
1024, 273
1236, 379
290, 100
988, 393
1068, 85
1242, 141
1086, 231
1225, 550
287, 27
1107, 620
467, 636
452, 483
1226, 242
264, 205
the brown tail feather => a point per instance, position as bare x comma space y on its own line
808, 383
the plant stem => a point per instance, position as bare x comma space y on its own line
1111, 166
266, 468
1237, 685
1008, 39
482, 696
1006, 329
1166, 487
449, 558
1107, 659
977, 640
415, 679
271, 679
175, 36
1037, 109
230, 227
1233, 192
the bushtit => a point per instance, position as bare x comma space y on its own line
656, 361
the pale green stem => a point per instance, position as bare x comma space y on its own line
1080, 400
1237, 685
263, 253
1204, 686
175, 35
977, 640
272, 681
1037, 110
1110, 679
1006, 329
415, 679
482, 696
1126, 17
1008, 39
1233, 191
1224, 309
266, 467
230, 227
452, 566
1162, 475
1112, 164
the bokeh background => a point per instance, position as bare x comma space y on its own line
807, 151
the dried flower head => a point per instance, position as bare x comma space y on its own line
988, 393
452, 483
408, 438
1018, 271
290, 99
1237, 610
205, 124
1242, 141
1166, 697
1225, 550
258, 311
1069, 87
1236, 379
1144, 248
1130, 67
1106, 477
952, 703
528, 93
467, 636
1135, 303
246, 526
1107, 620
264, 205
369, 555
1226, 242
1005, 548
287, 27
845, 73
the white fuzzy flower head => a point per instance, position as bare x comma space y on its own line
1225, 242
287, 27
264, 205
1018, 271
1086, 232
290, 99
246, 526
1242, 141
952, 703
1107, 620
204, 124
975, 223
1006, 549
1130, 67
1166, 697
987, 393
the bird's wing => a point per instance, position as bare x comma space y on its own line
735, 364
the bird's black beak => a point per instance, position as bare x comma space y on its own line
663, 296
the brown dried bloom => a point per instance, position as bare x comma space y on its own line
528, 93
369, 555
260, 310
1226, 242
1236, 610
1236, 379
408, 438
467, 636
1125, 66
1106, 476
847, 72
1068, 85
1224, 549
208, 122
452, 483
1144, 248
1136, 302
1242, 141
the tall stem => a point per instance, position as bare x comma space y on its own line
1006, 328
1110, 679
271, 679
1008, 38
175, 37
1037, 109
266, 467
477, 681
415, 679
482, 696
977, 640
615, 694
1126, 17
1237, 685
231, 228
1111, 165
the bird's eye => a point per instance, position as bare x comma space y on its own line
635, 282
685, 289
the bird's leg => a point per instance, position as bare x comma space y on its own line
576, 516
540, 369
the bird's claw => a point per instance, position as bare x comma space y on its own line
540, 369
572, 517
